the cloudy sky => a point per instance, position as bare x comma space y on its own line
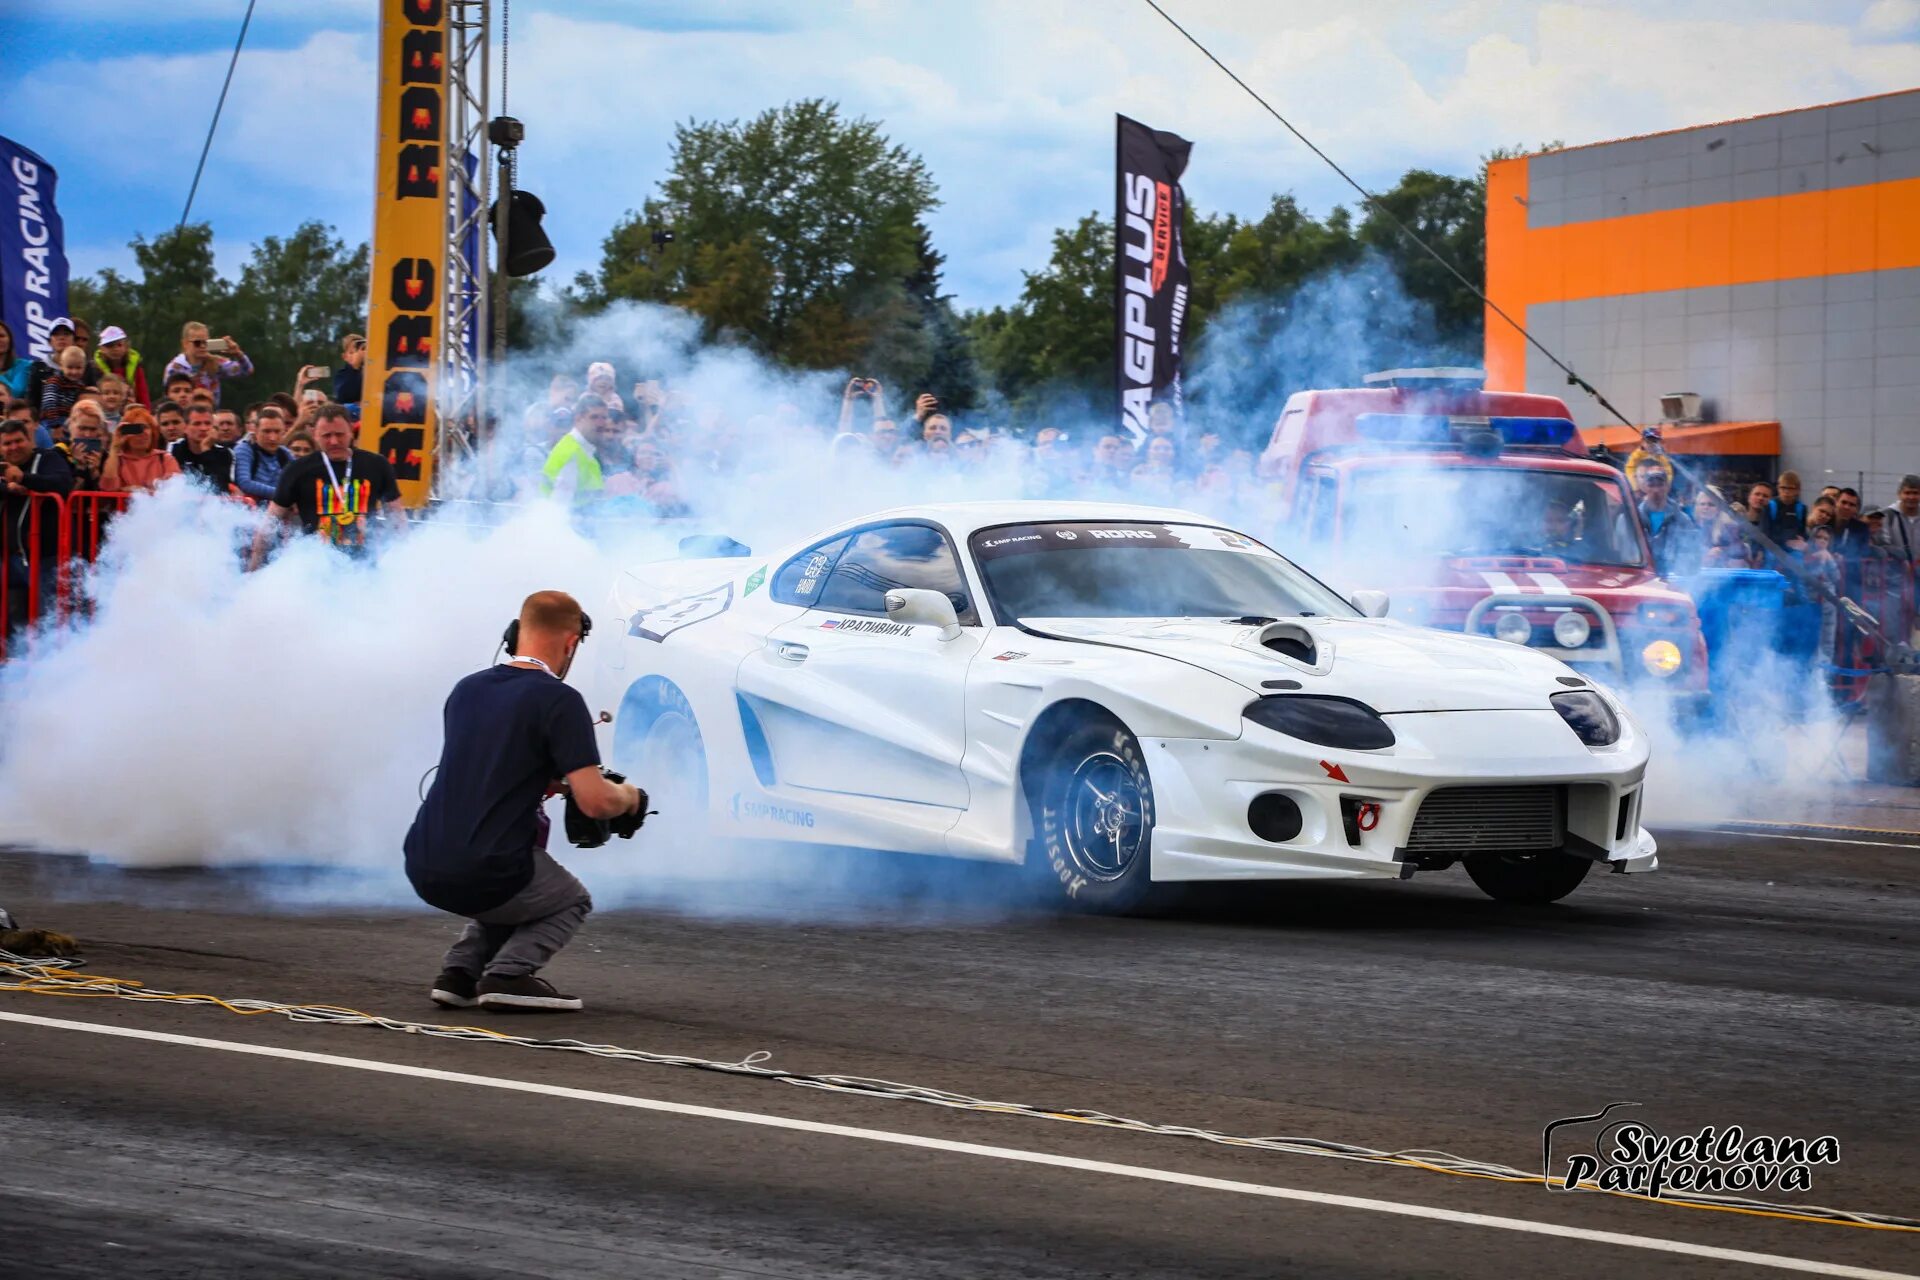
1011, 102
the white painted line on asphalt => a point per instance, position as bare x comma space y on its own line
1779, 835
1455, 1216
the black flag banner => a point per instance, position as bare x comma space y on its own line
1150, 281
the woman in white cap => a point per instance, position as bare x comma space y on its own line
600, 383
116, 356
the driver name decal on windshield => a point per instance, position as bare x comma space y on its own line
1032, 538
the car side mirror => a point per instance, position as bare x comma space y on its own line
920, 607
1373, 604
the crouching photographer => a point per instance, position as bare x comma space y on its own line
477, 848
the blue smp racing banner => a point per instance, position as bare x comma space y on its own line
33, 251
1150, 280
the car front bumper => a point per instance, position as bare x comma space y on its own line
1203, 789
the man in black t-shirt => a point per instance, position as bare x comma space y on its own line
333, 491
199, 456
477, 848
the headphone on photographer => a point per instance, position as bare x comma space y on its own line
510, 641
510, 638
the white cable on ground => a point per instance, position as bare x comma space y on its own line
59, 978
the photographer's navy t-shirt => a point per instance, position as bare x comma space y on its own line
510, 732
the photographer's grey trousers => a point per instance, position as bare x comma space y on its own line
520, 936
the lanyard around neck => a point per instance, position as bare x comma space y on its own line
346, 498
521, 657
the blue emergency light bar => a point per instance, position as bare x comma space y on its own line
1430, 428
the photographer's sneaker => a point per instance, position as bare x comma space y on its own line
522, 992
454, 989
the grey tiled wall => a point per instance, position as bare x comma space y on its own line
1846, 145
1835, 359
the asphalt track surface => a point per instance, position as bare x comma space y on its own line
1762, 981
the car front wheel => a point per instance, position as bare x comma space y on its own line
1533, 878
1093, 821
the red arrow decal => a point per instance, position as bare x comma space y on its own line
1334, 771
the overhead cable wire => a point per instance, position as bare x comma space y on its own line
1856, 616
219, 106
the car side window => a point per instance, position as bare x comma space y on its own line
1320, 526
800, 578
892, 556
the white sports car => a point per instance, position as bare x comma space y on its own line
1119, 697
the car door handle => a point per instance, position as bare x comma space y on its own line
792, 652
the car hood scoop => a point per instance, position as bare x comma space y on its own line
1388, 665
1290, 640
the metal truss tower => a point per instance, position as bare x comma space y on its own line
461, 386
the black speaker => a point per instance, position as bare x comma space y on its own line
528, 249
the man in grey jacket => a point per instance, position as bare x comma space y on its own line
1900, 530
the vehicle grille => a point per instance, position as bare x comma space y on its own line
1457, 820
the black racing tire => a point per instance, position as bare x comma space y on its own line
1093, 817
662, 751
1532, 879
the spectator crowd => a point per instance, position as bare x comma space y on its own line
650, 450
94, 417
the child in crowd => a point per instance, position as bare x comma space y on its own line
68, 384
111, 394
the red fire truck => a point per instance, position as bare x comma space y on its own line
1481, 511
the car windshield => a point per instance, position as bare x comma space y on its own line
1491, 511
1123, 569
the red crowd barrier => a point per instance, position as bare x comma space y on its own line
1885, 589
31, 588
88, 514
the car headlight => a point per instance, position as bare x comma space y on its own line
1571, 629
1326, 722
1513, 628
1661, 658
1589, 716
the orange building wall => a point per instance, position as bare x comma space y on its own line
1627, 276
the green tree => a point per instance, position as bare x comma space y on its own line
538, 318
1449, 216
951, 371
295, 299
1057, 341
1273, 254
177, 282
794, 231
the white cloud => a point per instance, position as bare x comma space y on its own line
1888, 19
1010, 101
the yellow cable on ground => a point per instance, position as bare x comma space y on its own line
58, 978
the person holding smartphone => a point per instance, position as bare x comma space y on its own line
861, 390
86, 446
208, 361
137, 458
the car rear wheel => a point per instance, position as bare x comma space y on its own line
1093, 820
1530, 878
663, 753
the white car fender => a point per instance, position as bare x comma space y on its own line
1020, 678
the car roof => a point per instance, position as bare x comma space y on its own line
963, 518
1359, 457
